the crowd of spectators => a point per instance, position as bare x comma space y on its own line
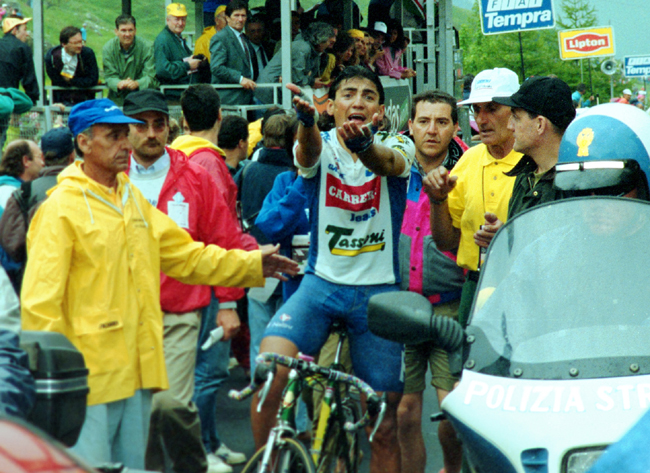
243, 186
187, 174
130, 62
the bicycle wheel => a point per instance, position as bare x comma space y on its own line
341, 450
288, 456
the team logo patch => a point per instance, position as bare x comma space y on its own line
585, 137
285, 317
353, 198
343, 243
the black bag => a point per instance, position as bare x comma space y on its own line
61, 380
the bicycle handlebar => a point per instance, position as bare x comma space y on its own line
375, 404
263, 374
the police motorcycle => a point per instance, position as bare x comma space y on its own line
555, 359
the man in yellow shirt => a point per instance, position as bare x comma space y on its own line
468, 200
202, 45
96, 249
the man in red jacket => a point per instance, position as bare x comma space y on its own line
189, 195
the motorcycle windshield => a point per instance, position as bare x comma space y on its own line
565, 293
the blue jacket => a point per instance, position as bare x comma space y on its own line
283, 215
17, 392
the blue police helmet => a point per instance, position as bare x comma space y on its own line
606, 151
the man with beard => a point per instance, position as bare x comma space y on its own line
189, 195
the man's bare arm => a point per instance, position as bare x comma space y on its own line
310, 144
437, 184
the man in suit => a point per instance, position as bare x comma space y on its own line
256, 34
232, 56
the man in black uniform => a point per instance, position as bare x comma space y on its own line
542, 109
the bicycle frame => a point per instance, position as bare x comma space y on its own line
303, 371
332, 397
286, 424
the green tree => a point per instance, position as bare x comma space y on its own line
540, 47
577, 14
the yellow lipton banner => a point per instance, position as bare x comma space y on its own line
586, 42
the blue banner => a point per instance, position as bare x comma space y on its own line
637, 66
507, 16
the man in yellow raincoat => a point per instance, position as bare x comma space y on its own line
96, 248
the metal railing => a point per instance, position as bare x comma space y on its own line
98, 89
33, 124
241, 110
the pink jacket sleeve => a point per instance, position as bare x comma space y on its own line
387, 65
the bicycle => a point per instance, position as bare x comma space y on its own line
334, 448
282, 452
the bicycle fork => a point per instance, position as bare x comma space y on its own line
286, 422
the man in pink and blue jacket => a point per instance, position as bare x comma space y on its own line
426, 270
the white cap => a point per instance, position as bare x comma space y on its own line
381, 27
627, 92
490, 83
642, 92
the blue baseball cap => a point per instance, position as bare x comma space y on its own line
91, 112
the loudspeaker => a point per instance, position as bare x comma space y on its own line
609, 67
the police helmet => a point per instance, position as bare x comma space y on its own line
606, 151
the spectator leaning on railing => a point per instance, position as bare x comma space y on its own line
128, 61
390, 63
71, 64
340, 57
256, 32
305, 59
175, 64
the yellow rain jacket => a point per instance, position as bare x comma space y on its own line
93, 274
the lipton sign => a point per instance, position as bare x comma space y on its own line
584, 43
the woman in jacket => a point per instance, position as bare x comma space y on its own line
390, 64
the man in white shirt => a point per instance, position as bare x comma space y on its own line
71, 64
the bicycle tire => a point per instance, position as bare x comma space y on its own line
289, 456
341, 449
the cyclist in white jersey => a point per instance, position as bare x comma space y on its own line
355, 181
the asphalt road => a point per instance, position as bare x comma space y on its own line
235, 429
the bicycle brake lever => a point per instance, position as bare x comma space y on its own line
265, 390
380, 416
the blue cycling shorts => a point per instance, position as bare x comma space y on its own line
305, 320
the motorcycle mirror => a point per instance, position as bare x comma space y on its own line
407, 317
